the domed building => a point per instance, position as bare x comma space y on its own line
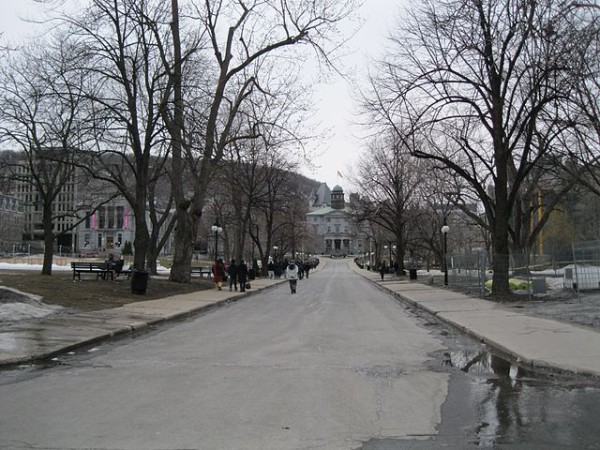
332, 229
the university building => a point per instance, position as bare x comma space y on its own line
12, 219
331, 225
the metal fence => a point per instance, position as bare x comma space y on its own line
584, 273
533, 274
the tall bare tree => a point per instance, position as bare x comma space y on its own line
125, 86
390, 178
485, 83
41, 118
243, 37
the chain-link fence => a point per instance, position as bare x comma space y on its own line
584, 273
13, 249
532, 274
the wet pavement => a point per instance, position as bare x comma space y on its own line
494, 403
526, 333
33, 340
531, 339
516, 386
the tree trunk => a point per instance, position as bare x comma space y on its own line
185, 236
48, 241
140, 242
501, 256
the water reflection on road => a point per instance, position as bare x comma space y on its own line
514, 405
495, 404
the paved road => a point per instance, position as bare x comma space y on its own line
333, 366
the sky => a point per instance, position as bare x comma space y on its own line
336, 110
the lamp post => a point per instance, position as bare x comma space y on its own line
445, 230
275, 248
217, 229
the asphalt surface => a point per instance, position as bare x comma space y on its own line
548, 338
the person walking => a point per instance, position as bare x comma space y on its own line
242, 275
382, 269
219, 272
307, 268
271, 269
232, 274
291, 274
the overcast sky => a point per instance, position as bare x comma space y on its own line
335, 103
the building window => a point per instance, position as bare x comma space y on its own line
110, 212
120, 213
101, 218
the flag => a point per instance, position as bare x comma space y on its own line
339, 174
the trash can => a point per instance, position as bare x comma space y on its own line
538, 285
412, 274
139, 281
251, 274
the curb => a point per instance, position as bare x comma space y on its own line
495, 347
119, 332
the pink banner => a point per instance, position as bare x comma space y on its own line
126, 219
93, 221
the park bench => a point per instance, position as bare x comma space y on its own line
202, 271
89, 267
100, 269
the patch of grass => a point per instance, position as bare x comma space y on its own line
90, 294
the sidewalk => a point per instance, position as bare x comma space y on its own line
532, 341
43, 339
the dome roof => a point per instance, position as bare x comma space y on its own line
337, 187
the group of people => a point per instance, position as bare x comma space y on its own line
235, 273
275, 270
383, 268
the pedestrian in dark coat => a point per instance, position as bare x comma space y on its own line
271, 269
307, 268
232, 273
242, 275
382, 269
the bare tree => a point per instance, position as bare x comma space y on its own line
243, 37
41, 118
125, 87
484, 82
390, 177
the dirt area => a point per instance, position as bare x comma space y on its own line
89, 294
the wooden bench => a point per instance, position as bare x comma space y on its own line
89, 267
202, 271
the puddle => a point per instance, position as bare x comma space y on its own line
483, 362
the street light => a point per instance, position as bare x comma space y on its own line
217, 229
445, 230
254, 240
275, 248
